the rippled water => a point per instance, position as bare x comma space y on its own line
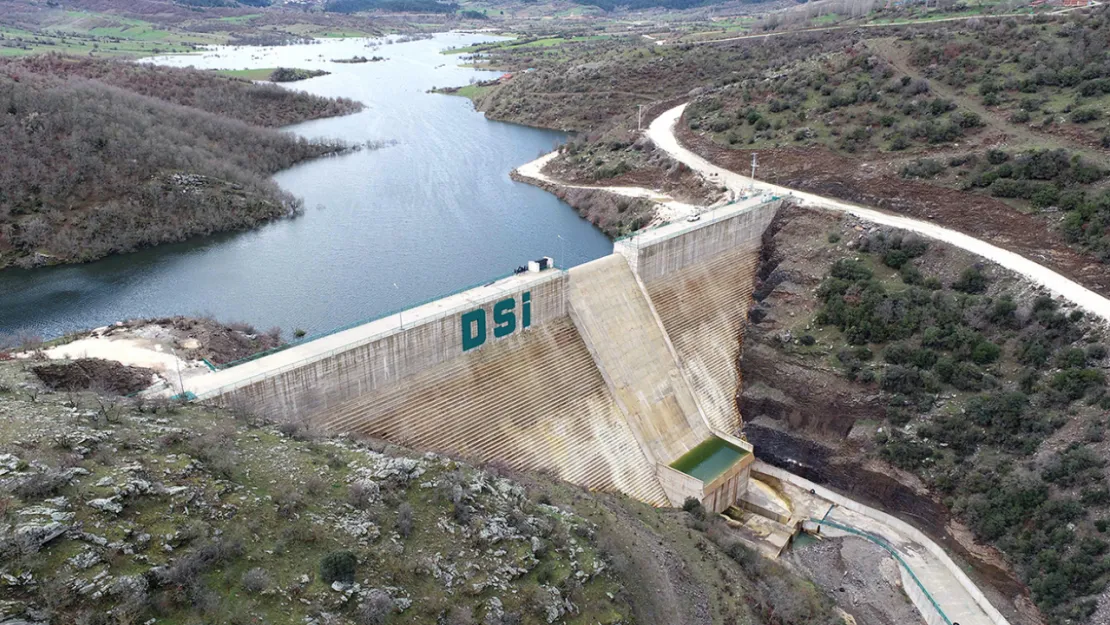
383, 229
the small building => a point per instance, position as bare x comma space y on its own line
540, 264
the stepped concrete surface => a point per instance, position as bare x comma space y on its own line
764, 534
534, 401
700, 281
624, 336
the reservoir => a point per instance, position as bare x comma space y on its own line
385, 229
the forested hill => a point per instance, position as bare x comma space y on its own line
100, 157
259, 104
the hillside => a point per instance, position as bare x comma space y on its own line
992, 126
98, 157
945, 390
119, 511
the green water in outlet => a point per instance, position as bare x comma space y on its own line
709, 459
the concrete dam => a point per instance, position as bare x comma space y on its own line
619, 374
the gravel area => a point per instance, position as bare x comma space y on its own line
862, 577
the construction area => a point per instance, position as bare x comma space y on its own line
620, 374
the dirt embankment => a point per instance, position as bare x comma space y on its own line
801, 414
104, 376
130, 356
872, 184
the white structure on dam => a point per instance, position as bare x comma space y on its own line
619, 374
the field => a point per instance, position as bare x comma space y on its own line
262, 73
26, 29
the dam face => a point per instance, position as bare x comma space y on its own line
606, 374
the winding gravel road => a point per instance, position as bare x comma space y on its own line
661, 132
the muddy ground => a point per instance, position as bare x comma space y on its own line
803, 415
878, 185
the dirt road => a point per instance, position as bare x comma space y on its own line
668, 209
661, 132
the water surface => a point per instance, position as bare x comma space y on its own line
383, 229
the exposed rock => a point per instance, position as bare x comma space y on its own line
35, 535
108, 504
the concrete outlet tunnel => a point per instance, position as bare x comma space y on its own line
620, 374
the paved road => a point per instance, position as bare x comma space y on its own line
661, 132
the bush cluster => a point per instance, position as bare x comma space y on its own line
1015, 371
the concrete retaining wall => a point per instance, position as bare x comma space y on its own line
663, 251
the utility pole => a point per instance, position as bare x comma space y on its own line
180, 381
562, 251
400, 313
639, 117
754, 165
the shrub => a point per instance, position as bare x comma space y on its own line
256, 580
922, 168
338, 566
895, 259
377, 608
1074, 383
694, 507
1074, 466
404, 520
911, 275
971, 280
1072, 357
904, 380
897, 353
362, 494
1096, 351
40, 486
1084, 115
904, 452
1098, 496
848, 269
985, 353
966, 377
997, 157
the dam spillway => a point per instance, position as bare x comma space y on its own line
604, 374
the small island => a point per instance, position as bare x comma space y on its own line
359, 59
289, 74
274, 74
